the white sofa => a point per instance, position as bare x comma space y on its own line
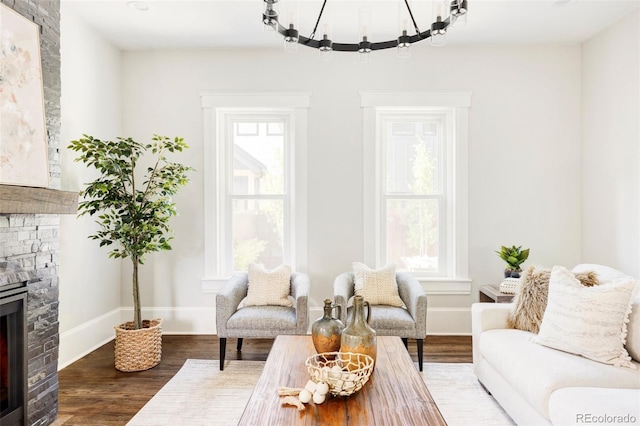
537, 385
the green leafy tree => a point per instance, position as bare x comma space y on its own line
134, 213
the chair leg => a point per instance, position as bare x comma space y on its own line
420, 352
223, 348
239, 345
406, 342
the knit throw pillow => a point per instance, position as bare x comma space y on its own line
379, 286
588, 321
531, 301
268, 287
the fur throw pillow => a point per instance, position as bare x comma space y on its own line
530, 303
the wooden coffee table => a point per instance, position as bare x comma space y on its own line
394, 395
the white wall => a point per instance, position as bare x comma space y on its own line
611, 146
530, 180
89, 281
524, 156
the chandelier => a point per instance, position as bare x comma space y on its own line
436, 32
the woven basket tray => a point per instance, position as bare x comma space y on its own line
344, 372
138, 350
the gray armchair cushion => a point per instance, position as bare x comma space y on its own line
408, 323
389, 321
260, 321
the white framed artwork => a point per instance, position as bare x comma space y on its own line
23, 136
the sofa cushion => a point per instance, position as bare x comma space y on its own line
589, 405
536, 371
587, 321
605, 273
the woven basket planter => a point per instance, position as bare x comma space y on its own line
138, 350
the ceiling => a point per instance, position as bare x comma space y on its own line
177, 24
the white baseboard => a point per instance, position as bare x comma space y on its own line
85, 338
440, 321
449, 321
187, 320
82, 340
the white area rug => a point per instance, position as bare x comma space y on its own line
201, 394
461, 398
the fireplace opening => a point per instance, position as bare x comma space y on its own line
13, 375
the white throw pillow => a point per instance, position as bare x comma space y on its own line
268, 287
633, 328
606, 274
379, 286
587, 321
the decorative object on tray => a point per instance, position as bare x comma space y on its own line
344, 372
312, 392
326, 331
358, 337
514, 257
510, 285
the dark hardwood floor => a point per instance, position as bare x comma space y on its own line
92, 392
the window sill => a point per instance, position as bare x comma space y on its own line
446, 286
433, 286
212, 285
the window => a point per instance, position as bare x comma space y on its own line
255, 159
259, 193
415, 186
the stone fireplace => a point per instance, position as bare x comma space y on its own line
29, 251
13, 350
29, 311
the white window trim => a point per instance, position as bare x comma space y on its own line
215, 105
460, 102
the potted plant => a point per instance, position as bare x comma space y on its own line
133, 211
514, 257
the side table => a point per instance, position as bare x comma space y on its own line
491, 293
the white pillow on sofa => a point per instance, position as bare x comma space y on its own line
605, 273
587, 321
633, 329
608, 274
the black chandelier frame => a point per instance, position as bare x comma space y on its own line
291, 34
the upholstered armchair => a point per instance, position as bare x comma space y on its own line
265, 322
409, 323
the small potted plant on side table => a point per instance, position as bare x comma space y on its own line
514, 257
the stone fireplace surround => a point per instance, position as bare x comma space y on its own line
13, 344
29, 240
